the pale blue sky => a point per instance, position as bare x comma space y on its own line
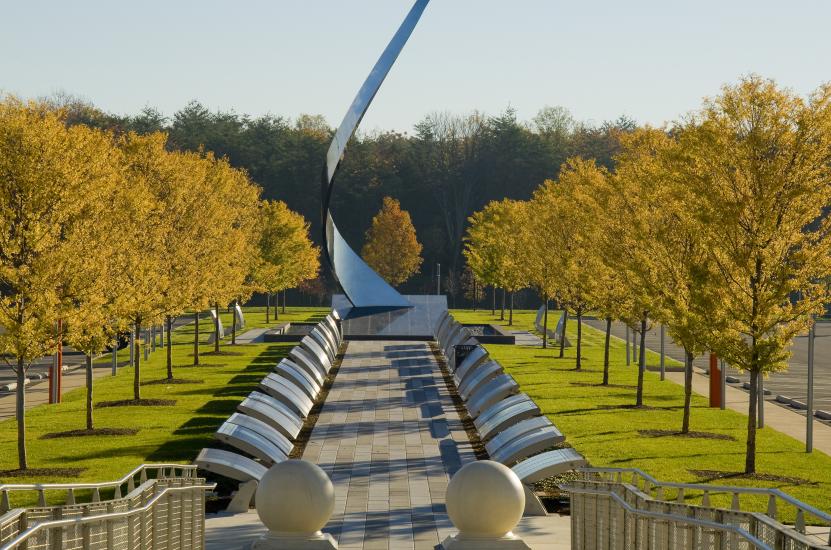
651, 60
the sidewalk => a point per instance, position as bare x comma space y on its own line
779, 418
37, 393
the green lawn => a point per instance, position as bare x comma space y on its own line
596, 425
169, 434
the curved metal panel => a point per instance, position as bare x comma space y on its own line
361, 284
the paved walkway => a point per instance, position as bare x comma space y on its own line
390, 438
785, 420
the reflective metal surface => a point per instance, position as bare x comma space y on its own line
361, 284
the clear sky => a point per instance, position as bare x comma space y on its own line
651, 60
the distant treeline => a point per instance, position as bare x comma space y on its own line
448, 168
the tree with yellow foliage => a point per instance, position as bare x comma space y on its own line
287, 255
666, 252
493, 244
392, 248
54, 181
232, 243
757, 163
568, 234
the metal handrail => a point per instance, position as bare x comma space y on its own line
101, 485
738, 531
54, 524
707, 488
188, 471
684, 510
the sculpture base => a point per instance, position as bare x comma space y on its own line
417, 322
290, 541
461, 542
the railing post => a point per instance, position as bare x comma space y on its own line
111, 528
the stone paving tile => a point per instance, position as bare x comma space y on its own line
390, 438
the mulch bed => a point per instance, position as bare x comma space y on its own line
713, 475
693, 435
93, 432
135, 403
37, 472
166, 381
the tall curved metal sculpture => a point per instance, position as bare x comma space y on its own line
362, 286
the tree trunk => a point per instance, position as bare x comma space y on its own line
493, 300
750, 455
285, 297
267, 307
276, 306
579, 337
502, 313
563, 335
216, 327
606, 351
641, 364
688, 379
169, 328
545, 322
137, 372
511, 313
474, 295
89, 393
196, 339
20, 415
234, 324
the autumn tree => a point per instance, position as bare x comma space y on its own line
493, 244
566, 236
232, 244
670, 254
287, 255
54, 181
757, 161
391, 247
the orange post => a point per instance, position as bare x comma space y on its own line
715, 382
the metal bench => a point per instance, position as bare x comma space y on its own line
274, 436
541, 466
316, 351
320, 338
299, 376
304, 359
478, 378
230, 465
505, 414
475, 358
332, 324
273, 412
324, 331
251, 442
285, 391
490, 393
527, 445
517, 430
453, 334
547, 464
442, 328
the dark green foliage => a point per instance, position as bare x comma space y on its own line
451, 166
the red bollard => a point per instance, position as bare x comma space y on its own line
715, 382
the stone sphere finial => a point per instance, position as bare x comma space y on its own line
295, 497
485, 501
